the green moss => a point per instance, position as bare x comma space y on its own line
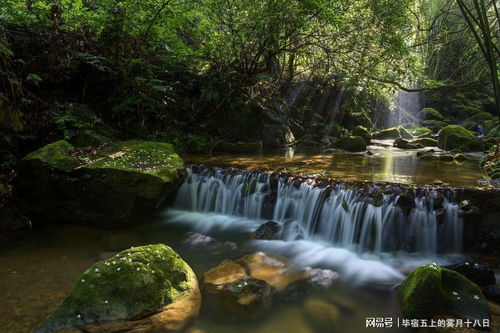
481, 117
435, 125
430, 114
461, 157
363, 133
454, 136
418, 130
446, 158
404, 144
155, 158
351, 144
426, 142
431, 291
132, 284
387, 134
55, 155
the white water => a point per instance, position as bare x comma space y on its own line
336, 227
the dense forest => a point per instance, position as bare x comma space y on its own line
395, 91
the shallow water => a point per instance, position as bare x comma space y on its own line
40, 267
386, 164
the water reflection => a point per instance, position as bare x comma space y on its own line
385, 164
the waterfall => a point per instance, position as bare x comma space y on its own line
358, 219
407, 106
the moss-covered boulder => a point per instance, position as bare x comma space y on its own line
392, 134
352, 120
480, 117
431, 291
430, 114
418, 130
142, 289
435, 125
110, 189
426, 142
405, 144
353, 144
461, 157
454, 136
363, 133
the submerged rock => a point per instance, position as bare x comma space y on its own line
142, 289
431, 291
265, 275
124, 180
321, 314
269, 230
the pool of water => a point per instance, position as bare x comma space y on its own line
386, 164
40, 267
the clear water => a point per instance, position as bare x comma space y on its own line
386, 164
40, 267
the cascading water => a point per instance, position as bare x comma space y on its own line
407, 106
363, 232
363, 221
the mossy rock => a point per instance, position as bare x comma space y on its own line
119, 293
418, 130
430, 114
55, 155
461, 157
435, 125
470, 125
353, 144
363, 133
404, 144
125, 181
454, 136
392, 134
426, 142
480, 117
446, 158
431, 291
352, 120
87, 138
241, 147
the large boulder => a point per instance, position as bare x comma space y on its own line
110, 189
392, 134
430, 114
247, 286
352, 120
431, 291
426, 142
435, 125
454, 136
353, 144
362, 132
143, 289
418, 130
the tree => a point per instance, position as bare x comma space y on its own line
482, 17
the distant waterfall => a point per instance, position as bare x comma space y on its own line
407, 106
358, 219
